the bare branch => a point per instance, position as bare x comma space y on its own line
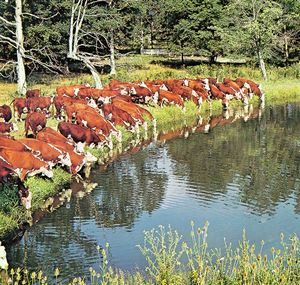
9, 41
40, 17
7, 22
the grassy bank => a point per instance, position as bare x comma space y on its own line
172, 260
278, 91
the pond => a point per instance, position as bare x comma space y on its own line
242, 174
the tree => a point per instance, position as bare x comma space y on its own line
14, 37
252, 27
289, 36
191, 26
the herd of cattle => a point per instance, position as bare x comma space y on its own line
89, 116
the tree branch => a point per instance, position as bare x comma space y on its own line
7, 22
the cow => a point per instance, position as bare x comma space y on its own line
118, 116
5, 113
20, 107
82, 134
9, 143
36, 104
33, 93
35, 121
218, 94
70, 90
97, 122
71, 110
61, 101
24, 194
169, 97
24, 163
47, 152
77, 160
141, 94
6, 128
251, 86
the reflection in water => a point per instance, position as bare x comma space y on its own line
239, 170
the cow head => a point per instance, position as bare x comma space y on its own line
25, 195
185, 82
133, 91
80, 147
92, 103
206, 84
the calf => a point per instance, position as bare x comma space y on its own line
5, 113
35, 121
77, 160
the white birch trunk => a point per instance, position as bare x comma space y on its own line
112, 55
262, 65
22, 85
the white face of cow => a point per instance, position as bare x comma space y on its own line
80, 147
26, 201
206, 84
92, 103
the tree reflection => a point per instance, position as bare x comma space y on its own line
262, 158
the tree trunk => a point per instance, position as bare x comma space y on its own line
93, 70
262, 64
286, 48
22, 85
182, 59
112, 55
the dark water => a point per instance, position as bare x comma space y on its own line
239, 175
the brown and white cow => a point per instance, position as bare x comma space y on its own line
82, 134
25, 163
5, 113
47, 152
36, 104
20, 107
35, 122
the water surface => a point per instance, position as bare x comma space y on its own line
242, 174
